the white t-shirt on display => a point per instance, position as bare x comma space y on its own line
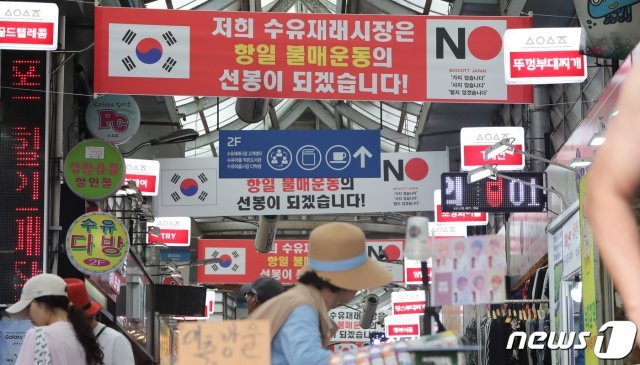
115, 346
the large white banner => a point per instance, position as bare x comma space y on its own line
192, 188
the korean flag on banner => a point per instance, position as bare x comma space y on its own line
188, 187
155, 51
232, 261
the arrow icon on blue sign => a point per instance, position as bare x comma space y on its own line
363, 153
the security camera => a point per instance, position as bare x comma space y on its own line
266, 233
370, 305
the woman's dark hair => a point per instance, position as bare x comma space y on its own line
81, 326
312, 278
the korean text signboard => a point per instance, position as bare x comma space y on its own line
300, 154
146, 174
413, 271
174, 231
304, 56
230, 342
462, 218
348, 321
544, 56
239, 262
113, 118
23, 168
571, 259
475, 140
97, 243
408, 302
94, 169
28, 26
190, 187
402, 326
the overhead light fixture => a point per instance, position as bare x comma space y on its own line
597, 139
614, 113
502, 146
179, 136
480, 173
508, 144
579, 162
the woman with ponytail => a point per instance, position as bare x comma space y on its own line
63, 335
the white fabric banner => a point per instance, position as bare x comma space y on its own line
191, 187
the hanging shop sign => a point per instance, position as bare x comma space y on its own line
113, 118
344, 153
175, 256
24, 169
304, 56
28, 26
174, 231
457, 218
469, 271
282, 263
544, 56
94, 169
97, 243
348, 321
474, 141
489, 195
190, 187
610, 29
413, 271
146, 174
237, 342
402, 326
408, 302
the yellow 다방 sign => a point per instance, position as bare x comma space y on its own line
228, 342
97, 243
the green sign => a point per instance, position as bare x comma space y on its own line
94, 169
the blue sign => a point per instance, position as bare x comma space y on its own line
175, 256
344, 153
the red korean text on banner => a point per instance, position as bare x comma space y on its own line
300, 56
547, 64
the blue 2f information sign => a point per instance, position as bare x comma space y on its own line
282, 154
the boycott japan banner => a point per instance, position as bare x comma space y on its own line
303, 56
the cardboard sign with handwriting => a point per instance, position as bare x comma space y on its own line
228, 342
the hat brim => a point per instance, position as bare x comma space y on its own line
94, 308
369, 275
19, 307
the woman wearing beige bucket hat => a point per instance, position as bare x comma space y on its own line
338, 267
62, 335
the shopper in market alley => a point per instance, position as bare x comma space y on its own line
612, 186
338, 267
260, 291
62, 335
115, 346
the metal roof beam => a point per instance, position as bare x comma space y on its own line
317, 6
280, 6
422, 118
198, 105
367, 123
230, 5
384, 7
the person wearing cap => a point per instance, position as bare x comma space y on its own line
62, 335
260, 291
115, 346
338, 266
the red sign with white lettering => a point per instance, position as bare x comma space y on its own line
28, 25
26, 32
409, 307
404, 330
413, 275
474, 156
171, 236
460, 217
547, 64
146, 184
